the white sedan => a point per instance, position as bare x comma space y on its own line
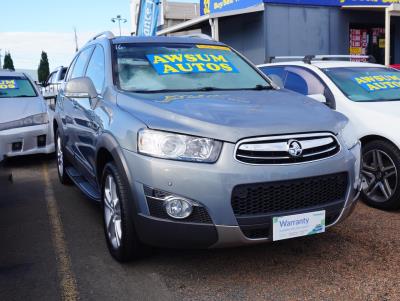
369, 95
24, 117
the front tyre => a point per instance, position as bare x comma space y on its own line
381, 169
121, 237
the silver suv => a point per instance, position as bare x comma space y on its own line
186, 144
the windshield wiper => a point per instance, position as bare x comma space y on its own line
262, 87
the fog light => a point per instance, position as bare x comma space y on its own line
16, 146
178, 208
41, 141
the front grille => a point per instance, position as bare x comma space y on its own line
265, 198
279, 149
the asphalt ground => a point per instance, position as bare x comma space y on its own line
52, 248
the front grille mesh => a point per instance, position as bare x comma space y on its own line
264, 198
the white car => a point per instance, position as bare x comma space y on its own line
369, 95
24, 117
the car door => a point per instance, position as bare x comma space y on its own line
74, 117
90, 115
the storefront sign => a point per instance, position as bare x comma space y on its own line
181, 63
335, 2
217, 6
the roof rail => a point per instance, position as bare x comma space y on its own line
272, 58
369, 58
309, 58
107, 34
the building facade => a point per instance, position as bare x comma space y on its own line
262, 29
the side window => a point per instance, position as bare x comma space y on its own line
96, 69
304, 82
62, 74
296, 83
50, 79
69, 71
277, 74
80, 64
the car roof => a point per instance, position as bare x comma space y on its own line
325, 64
4, 72
165, 40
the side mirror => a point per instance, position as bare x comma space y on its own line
318, 97
82, 87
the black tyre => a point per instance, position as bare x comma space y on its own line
119, 229
62, 161
381, 167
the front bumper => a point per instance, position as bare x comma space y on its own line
211, 185
28, 139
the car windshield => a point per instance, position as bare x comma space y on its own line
15, 86
366, 84
183, 67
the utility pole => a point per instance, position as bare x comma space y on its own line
119, 19
76, 40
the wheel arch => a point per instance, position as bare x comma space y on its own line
109, 150
368, 138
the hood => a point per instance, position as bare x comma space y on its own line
231, 115
20, 107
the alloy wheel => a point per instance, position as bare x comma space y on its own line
381, 175
60, 157
112, 212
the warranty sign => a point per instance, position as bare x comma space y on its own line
181, 63
297, 225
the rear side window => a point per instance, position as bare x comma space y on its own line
277, 74
80, 64
302, 81
296, 83
95, 70
16, 86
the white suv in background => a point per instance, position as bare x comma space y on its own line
369, 95
53, 83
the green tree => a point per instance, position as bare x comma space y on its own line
8, 62
43, 70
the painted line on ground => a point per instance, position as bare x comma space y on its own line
68, 286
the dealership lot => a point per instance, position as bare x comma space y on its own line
357, 260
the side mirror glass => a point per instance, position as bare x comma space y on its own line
318, 97
81, 87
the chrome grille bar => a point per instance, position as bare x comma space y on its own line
277, 149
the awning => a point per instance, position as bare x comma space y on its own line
212, 19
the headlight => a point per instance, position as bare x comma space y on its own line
349, 135
178, 147
37, 119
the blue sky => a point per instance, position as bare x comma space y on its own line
29, 26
